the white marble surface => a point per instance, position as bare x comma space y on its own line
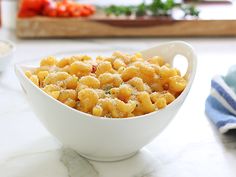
189, 147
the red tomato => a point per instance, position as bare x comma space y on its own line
90, 8
74, 10
76, 14
27, 13
94, 69
53, 8
47, 2
85, 12
50, 9
33, 5
62, 10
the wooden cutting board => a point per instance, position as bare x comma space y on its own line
214, 20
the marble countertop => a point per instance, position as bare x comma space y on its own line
189, 147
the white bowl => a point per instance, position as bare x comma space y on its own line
6, 58
106, 139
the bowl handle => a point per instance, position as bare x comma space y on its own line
184, 49
170, 49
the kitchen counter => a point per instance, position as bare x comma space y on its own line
189, 147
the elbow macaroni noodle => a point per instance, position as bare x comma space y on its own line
118, 86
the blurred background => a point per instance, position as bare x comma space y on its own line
140, 17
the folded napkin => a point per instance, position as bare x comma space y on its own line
220, 105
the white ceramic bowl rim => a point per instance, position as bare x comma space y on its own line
185, 91
12, 45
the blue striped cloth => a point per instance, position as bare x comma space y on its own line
220, 105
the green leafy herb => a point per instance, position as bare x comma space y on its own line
119, 10
141, 10
156, 8
190, 10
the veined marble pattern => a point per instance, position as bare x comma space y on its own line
189, 147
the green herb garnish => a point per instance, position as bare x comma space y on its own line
156, 8
108, 89
190, 10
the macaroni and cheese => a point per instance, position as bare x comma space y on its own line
118, 86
